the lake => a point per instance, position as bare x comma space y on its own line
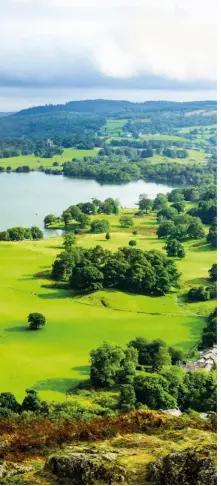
25, 199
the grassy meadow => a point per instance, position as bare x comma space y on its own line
35, 162
56, 357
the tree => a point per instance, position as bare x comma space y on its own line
16, 234
100, 226
176, 195
212, 236
167, 213
36, 233
127, 399
31, 402
196, 230
4, 236
152, 390
110, 206
105, 365
132, 242
176, 355
49, 219
145, 204
8, 401
174, 249
146, 153
209, 334
179, 206
87, 278
159, 202
69, 240
126, 221
107, 236
36, 321
67, 217
135, 232
200, 391
166, 229
154, 354
213, 272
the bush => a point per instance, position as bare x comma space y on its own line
100, 226
197, 294
126, 221
36, 320
132, 242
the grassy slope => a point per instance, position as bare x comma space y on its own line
36, 162
53, 359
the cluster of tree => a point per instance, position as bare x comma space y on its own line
19, 233
140, 143
21, 169
204, 192
209, 334
108, 206
180, 227
128, 269
80, 213
175, 154
54, 123
147, 374
13, 147
121, 170
174, 248
10, 406
212, 235
201, 293
206, 211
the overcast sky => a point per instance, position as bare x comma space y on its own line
67, 45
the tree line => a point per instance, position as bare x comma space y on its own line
19, 233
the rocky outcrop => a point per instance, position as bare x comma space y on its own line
182, 468
91, 467
9, 469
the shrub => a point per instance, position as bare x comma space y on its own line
132, 242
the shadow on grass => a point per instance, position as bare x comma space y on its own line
26, 277
83, 370
56, 294
17, 329
61, 385
200, 281
201, 247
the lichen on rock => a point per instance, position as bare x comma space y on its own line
182, 468
86, 468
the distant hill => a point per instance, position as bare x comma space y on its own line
111, 107
87, 117
6, 113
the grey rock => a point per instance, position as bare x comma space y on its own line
86, 468
182, 468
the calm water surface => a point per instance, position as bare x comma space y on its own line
25, 199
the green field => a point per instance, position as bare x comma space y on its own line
55, 358
194, 156
35, 162
164, 137
113, 127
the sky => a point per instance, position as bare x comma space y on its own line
52, 49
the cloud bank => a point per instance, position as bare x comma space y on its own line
141, 44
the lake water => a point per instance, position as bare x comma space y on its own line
25, 199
